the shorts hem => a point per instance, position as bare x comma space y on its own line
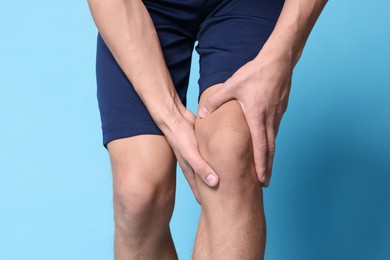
215, 78
130, 130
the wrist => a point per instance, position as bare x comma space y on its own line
275, 55
166, 115
292, 29
285, 47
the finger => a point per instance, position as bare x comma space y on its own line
276, 125
190, 177
270, 131
205, 172
215, 100
260, 147
278, 118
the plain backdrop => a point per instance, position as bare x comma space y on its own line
329, 194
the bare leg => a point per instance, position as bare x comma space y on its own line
143, 169
232, 221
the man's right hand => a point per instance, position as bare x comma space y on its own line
181, 136
129, 32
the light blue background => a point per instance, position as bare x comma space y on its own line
329, 195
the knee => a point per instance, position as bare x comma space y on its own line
143, 171
225, 143
141, 203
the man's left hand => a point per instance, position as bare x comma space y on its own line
262, 87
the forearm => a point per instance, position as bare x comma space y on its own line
292, 29
129, 32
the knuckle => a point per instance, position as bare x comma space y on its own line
200, 170
271, 149
262, 146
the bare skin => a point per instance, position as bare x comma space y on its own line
228, 169
129, 33
144, 170
262, 86
232, 221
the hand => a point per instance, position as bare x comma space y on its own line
182, 139
262, 87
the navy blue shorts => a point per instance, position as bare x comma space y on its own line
228, 33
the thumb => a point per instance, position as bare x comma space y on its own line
203, 170
215, 100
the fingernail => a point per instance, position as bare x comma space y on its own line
263, 180
203, 112
211, 179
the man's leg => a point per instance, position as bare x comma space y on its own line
232, 222
143, 168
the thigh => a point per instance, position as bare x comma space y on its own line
142, 164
